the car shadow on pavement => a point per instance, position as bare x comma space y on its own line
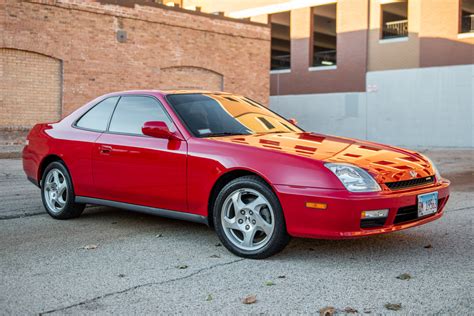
414, 244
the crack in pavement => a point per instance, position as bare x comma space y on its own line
91, 300
460, 209
6, 217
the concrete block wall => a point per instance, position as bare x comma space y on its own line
424, 107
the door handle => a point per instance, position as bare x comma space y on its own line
105, 149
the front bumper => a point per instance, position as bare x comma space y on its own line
341, 218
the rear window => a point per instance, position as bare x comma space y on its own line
98, 117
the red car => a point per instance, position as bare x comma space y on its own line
231, 163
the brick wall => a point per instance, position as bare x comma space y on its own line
30, 89
82, 35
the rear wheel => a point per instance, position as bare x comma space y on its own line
249, 219
57, 192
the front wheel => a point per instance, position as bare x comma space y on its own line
57, 192
249, 219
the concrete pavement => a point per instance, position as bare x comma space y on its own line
145, 264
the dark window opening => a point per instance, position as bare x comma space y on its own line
324, 37
395, 20
281, 41
467, 16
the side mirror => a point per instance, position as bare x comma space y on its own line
293, 121
158, 129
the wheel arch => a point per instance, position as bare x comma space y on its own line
223, 180
45, 162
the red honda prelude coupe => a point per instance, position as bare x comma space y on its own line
229, 162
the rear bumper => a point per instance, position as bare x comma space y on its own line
341, 218
29, 165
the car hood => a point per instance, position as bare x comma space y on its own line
385, 163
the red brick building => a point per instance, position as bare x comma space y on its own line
58, 54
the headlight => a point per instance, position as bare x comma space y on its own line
437, 174
354, 178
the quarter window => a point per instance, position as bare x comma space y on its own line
133, 111
98, 117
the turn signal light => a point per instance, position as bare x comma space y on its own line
374, 214
320, 206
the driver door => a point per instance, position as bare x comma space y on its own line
130, 167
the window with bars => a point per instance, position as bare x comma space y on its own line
394, 19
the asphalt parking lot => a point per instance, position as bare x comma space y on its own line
110, 261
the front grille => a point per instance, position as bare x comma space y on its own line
410, 213
398, 185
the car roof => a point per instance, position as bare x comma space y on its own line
167, 92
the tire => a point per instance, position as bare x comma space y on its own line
249, 220
57, 192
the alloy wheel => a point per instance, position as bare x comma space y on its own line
55, 190
248, 219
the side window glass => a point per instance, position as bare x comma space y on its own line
133, 111
98, 117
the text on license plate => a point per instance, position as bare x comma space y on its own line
427, 203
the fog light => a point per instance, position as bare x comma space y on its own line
321, 206
374, 214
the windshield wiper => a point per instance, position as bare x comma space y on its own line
223, 134
276, 132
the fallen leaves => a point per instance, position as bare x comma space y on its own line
350, 310
182, 267
250, 299
404, 276
393, 307
90, 247
121, 275
269, 283
282, 276
327, 311
159, 236
209, 298
331, 310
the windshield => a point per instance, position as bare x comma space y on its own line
207, 115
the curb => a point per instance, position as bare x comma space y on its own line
10, 155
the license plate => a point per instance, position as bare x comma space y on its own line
427, 204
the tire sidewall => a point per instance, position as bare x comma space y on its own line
70, 196
279, 233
